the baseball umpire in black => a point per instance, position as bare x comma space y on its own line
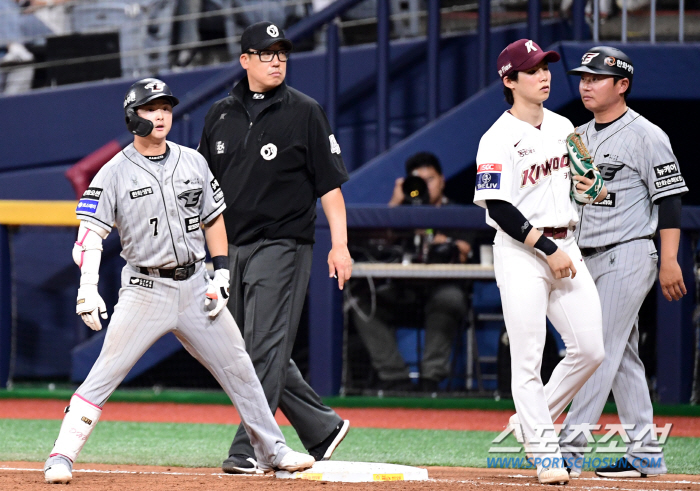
271, 149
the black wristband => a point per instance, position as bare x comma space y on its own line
220, 262
546, 245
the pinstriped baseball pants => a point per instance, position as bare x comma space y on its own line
623, 275
143, 315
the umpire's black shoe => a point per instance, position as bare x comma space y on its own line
240, 464
325, 449
621, 468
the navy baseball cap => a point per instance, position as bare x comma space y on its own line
262, 35
605, 60
522, 55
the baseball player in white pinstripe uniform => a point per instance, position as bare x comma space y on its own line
158, 194
615, 236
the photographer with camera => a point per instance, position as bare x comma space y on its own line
444, 304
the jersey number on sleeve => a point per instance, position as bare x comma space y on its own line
154, 222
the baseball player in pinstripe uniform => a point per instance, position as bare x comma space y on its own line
157, 194
645, 187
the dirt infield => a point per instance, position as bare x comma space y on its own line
393, 418
28, 477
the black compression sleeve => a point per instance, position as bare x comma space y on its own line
670, 212
509, 218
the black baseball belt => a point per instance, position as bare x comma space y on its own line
180, 273
589, 251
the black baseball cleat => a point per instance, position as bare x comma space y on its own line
325, 449
621, 468
240, 464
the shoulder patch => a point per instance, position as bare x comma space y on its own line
669, 181
87, 205
93, 193
488, 176
666, 169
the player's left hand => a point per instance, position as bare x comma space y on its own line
671, 280
218, 290
340, 264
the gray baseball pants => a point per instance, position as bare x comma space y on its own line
269, 279
623, 276
144, 315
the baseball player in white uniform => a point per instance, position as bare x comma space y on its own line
157, 194
524, 181
645, 183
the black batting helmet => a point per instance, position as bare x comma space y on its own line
140, 93
605, 60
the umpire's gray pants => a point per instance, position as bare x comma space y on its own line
143, 315
268, 287
623, 276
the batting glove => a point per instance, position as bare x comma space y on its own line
90, 306
218, 290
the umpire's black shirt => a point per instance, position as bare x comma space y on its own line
271, 167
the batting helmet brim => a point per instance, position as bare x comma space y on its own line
174, 101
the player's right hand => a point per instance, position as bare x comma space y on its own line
90, 306
561, 265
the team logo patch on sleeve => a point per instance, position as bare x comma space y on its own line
214, 185
192, 223
92, 193
87, 205
666, 169
488, 176
669, 181
139, 193
141, 282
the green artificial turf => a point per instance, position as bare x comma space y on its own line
64, 392
205, 445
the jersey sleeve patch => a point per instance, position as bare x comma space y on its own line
666, 169
488, 176
92, 193
669, 181
87, 206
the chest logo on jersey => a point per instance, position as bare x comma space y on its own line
190, 197
526, 151
660, 170
268, 151
92, 193
87, 205
608, 171
488, 176
141, 282
192, 223
536, 172
140, 193
608, 202
220, 147
669, 181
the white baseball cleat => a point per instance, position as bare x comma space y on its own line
57, 474
574, 474
555, 475
296, 461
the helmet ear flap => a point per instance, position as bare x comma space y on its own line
136, 124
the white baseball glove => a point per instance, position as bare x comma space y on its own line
218, 290
90, 306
